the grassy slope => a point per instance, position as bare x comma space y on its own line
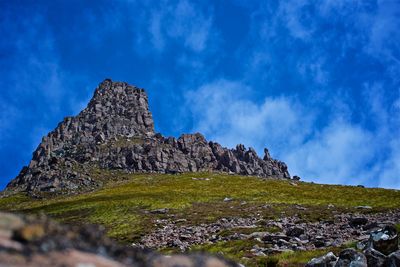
122, 205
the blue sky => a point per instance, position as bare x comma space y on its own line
317, 82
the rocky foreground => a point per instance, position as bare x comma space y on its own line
285, 234
381, 249
116, 132
37, 241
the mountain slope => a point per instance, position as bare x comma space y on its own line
239, 216
116, 131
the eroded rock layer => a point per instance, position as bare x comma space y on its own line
116, 131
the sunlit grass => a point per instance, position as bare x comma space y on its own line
123, 204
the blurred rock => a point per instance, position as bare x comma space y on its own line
37, 241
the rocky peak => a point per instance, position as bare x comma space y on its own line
121, 109
116, 131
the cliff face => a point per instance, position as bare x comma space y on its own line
116, 131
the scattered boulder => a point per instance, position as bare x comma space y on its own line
364, 207
296, 178
328, 260
375, 258
351, 258
381, 249
358, 221
393, 260
160, 211
385, 240
295, 231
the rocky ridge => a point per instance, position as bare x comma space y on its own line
116, 131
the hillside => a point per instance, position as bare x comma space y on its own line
244, 218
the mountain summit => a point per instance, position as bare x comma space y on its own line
116, 131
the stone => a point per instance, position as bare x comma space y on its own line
319, 243
393, 260
375, 258
160, 211
295, 231
30, 232
328, 260
351, 258
364, 207
358, 221
116, 131
296, 178
257, 235
384, 240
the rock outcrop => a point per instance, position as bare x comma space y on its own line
37, 241
116, 131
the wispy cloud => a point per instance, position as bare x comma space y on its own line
182, 22
36, 90
341, 152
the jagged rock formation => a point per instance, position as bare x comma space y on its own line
116, 131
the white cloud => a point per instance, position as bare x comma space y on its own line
299, 23
390, 176
340, 152
223, 112
181, 21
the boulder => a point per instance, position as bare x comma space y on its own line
384, 240
393, 260
375, 258
358, 221
328, 260
295, 231
296, 178
351, 258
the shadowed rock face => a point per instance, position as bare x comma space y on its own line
116, 131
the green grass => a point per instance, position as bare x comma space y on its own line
398, 227
122, 205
